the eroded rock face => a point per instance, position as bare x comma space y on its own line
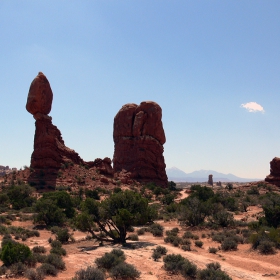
139, 138
40, 96
49, 148
274, 176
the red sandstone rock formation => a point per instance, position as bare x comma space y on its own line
274, 176
40, 96
139, 139
50, 151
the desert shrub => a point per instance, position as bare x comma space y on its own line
229, 244
212, 272
89, 273
48, 269
141, 231
185, 241
173, 263
56, 261
39, 249
213, 250
222, 218
161, 249
178, 264
18, 268
124, 271
188, 269
58, 250
133, 237
253, 190
20, 196
198, 243
40, 258
14, 252
63, 235
92, 194
156, 229
111, 259
56, 244
32, 274
156, 255
188, 234
31, 261
3, 270
186, 247
173, 239
266, 247
158, 252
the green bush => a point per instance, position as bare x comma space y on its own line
156, 229
266, 247
124, 271
133, 237
63, 235
188, 269
141, 231
48, 269
198, 243
178, 264
58, 250
212, 272
229, 244
173, 263
156, 255
89, 273
111, 259
14, 252
186, 247
39, 249
56, 261
32, 274
213, 250
18, 268
161, 249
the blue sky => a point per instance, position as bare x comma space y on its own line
199, 60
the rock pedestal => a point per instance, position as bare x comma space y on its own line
139, 139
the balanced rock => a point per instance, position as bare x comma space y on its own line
139, 138
49, 148
274, 176
40, 96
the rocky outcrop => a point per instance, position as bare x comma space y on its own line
274, 176
139, 138
50, 151
49, 148
210, 179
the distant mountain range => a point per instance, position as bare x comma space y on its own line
177, 175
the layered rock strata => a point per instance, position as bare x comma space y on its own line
139, 138
274, 176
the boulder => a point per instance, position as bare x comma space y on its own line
139, 138
40, 96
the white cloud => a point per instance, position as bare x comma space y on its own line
253, 107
